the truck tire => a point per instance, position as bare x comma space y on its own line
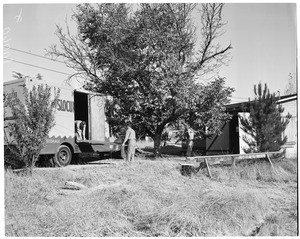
63, 156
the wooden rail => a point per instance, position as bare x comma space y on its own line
209, 160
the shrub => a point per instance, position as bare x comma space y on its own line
32, 121
265, 124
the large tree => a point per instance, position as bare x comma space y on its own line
148, 60
265, 123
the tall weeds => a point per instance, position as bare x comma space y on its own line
153, 200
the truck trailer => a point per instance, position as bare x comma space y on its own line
73, 104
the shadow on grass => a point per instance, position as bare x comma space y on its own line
169, 150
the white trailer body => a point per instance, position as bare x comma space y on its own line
73, 104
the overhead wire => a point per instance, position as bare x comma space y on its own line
47, 58
40, 67
239, 98
33, 54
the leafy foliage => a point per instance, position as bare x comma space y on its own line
207, 109
265, 124
32, 121
147, 60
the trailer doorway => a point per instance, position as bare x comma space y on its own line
234, 139
81, 109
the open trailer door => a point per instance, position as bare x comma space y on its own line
97, 119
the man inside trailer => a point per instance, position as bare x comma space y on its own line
80, 128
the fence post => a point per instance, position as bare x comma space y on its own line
268, 158
233, 162
208, 170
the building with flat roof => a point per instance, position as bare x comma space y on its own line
231, 140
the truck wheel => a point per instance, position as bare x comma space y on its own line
63, 156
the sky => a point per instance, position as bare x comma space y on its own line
263, 37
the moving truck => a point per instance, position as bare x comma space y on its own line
73, 104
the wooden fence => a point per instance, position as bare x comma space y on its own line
228, 159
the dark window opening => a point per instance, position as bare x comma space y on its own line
81, 109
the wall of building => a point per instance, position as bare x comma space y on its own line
219, 144
291, 130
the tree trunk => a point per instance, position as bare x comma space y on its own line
157, 142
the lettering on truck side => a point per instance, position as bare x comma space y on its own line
52, 141
65, 105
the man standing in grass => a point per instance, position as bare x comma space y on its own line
131, 137
190, 141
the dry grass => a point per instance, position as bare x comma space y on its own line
153, 200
